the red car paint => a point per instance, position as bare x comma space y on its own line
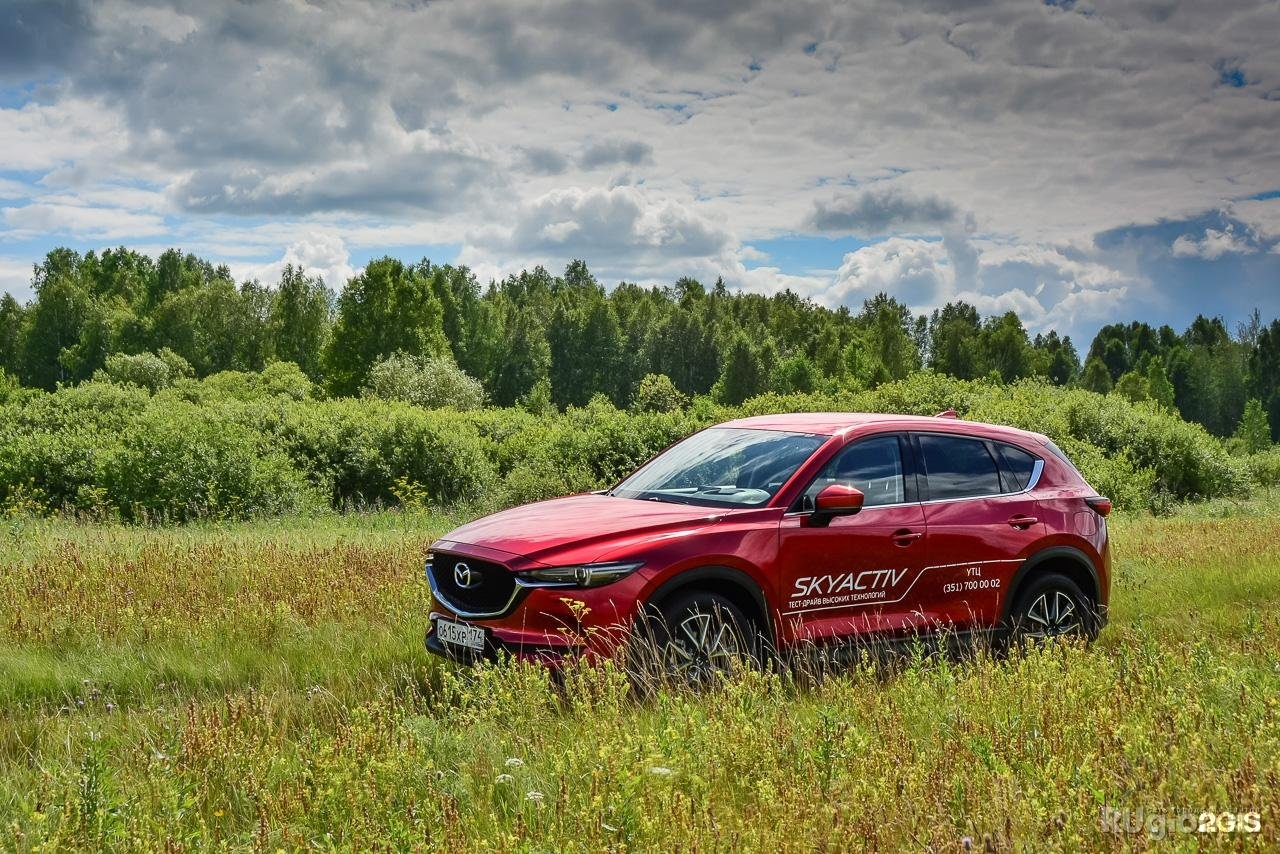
913, 566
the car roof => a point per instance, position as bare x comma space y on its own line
832, 423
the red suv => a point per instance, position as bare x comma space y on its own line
783, 530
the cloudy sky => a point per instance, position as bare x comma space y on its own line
1078, 162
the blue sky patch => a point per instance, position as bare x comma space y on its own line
436, 253
1230, 74
799, 254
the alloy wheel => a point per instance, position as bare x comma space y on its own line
1054, 613
702, 645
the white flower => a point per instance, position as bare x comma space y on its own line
660, 771
503, 778
513, 762
536, 797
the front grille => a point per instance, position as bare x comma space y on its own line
492, 592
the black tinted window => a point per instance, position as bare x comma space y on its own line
871, 465
1018, 466
958, 467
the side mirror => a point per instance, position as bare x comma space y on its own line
836, 500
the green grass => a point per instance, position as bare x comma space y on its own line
263, 685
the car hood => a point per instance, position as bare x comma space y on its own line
579, 528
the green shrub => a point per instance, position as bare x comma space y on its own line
657, 393
152, 371
279, 379
238, 444
539, 478
11, 390
98, 406
1264, 467
427, 381
184, 462
358, 449
54, 464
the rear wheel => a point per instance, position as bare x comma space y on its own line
1052, 607
692, 640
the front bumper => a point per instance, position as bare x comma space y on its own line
549, 625
496, 649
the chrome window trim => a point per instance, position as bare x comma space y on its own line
1037, 469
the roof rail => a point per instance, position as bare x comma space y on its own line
949, 413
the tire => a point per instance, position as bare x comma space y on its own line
1052, 607
692, 640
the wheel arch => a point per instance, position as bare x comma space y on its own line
1063, 560
733, 584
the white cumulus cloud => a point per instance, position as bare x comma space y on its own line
1212, 245
322, 255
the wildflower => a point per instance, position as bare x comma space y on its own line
536, 797
660, 771
513, 762
967, 843
503, 778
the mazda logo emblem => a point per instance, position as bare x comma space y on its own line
464, 576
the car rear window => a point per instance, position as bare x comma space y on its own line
1018, 467
957, 467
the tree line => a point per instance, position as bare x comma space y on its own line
539, 338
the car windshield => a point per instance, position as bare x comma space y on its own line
722, 467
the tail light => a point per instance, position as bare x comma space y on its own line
1100, 505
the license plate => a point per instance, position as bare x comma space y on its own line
460, 634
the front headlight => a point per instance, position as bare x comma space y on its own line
583, 575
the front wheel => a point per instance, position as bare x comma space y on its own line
1052, 607
692, 640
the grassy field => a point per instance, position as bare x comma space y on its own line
263, 686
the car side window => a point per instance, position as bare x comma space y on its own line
873, 466
1017, 467
958, 467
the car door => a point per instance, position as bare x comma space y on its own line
981, 520
851, 576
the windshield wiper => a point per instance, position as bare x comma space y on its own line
657, 496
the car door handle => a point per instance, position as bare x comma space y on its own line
905, 537
1022, 522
